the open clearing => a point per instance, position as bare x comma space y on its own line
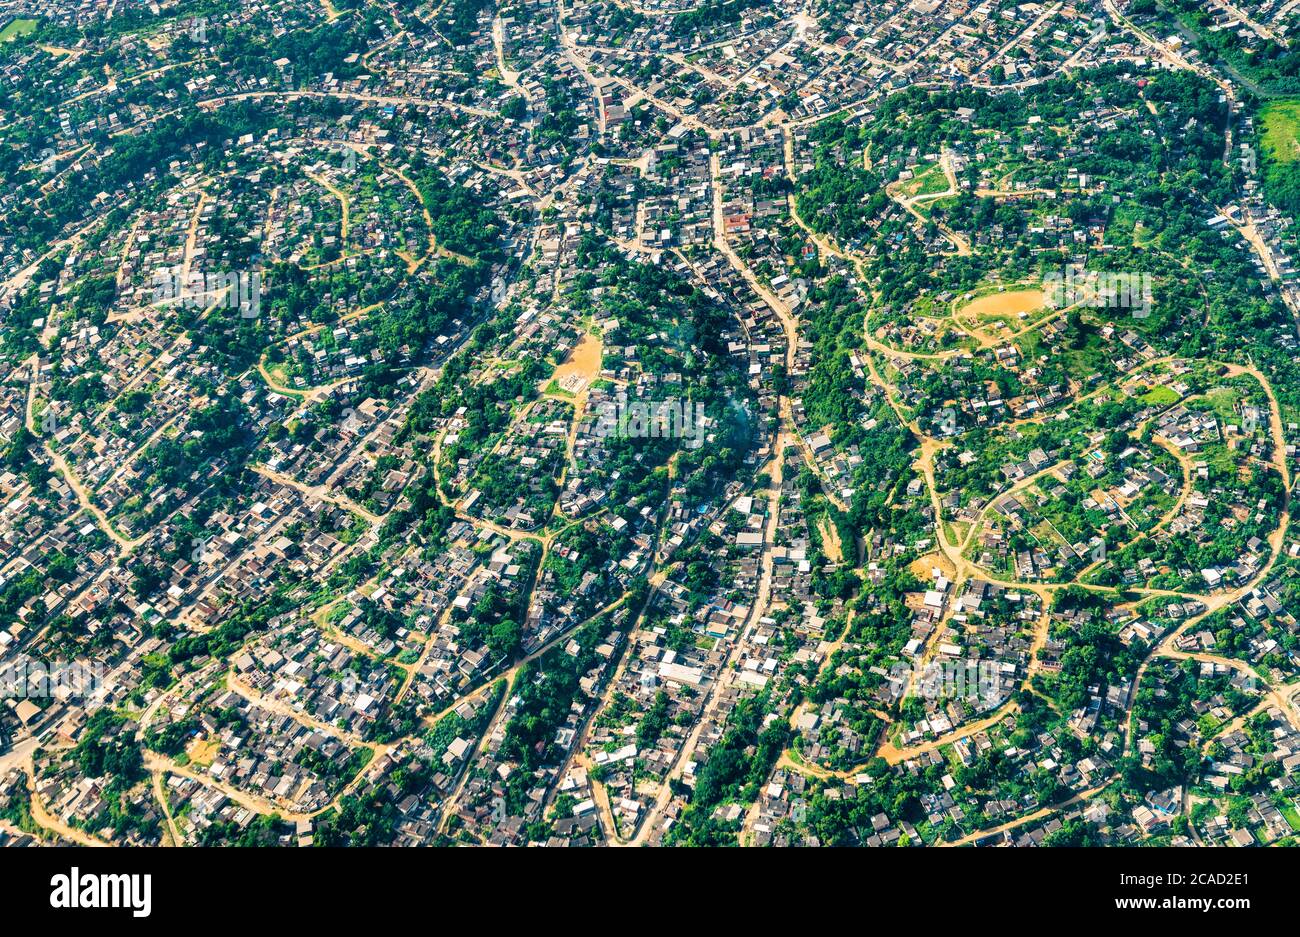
1005, 305
16, 28
1282, 130
923, 567
581, 367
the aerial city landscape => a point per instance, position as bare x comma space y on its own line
649, 422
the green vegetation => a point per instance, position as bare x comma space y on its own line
1280, 143
18, 27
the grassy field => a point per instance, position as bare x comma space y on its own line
1293, 818
1279, 138
1281, 123
928, 181
17, 28
1160, 397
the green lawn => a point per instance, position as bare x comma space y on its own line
1160, 397
1279, 133
1293, 818
17, 28
1281, 122
929, 181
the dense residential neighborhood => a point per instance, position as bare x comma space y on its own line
572, 423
